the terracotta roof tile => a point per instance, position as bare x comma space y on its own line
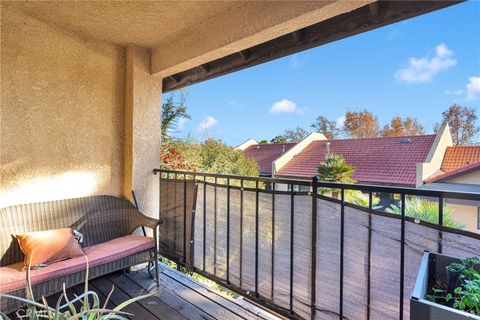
385, 160
265, 154
457, 157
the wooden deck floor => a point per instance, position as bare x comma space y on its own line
178, 298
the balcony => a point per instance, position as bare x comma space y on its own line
81, 95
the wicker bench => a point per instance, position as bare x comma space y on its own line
107, 224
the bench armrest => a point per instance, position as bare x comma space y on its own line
138, 219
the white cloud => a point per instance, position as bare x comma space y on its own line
458, 92
295, 61
340, 122
420, 70
298, 60
283, 106
473, 88
181, 123
207, 123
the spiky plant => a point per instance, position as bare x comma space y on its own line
335, 169
362, 199
426, 210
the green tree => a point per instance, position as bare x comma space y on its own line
278, 139
173, 109
335, 169
426, 210
327, 127
462, 122
295, 135
263, 141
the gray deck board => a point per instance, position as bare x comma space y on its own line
179, 297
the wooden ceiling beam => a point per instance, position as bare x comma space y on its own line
373, 7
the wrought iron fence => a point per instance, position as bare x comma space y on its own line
300, 247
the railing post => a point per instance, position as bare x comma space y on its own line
175, 218
184, 218
342, 247
241, 233
402, 256
313, 271
228, 230
273, 242
256, 237
369, 254
440, 222
157, 240
215, 228
292, 229
204, 220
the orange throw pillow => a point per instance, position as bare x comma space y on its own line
42, 247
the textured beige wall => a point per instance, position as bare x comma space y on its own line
466, 215
468, 178
142, 130
435, 157
61, 112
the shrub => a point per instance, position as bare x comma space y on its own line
426, 210
211, 156
361, 199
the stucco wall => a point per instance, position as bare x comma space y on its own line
142, 130
466, 215
287, 156
61, 112
468, 178
435, 157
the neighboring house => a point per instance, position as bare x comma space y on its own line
386, 161
422, 161
396, 161
380, 160
264, 154
460, 172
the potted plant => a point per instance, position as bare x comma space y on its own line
446, 288
454, 271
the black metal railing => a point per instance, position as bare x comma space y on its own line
316, 210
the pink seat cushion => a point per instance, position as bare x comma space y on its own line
13, 278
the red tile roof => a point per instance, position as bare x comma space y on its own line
457, 172
384, 160
460, 156
265, 154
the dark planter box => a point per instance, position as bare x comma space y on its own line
433, 267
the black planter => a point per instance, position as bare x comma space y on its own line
434, 267
453, 278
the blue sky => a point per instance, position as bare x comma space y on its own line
413, 68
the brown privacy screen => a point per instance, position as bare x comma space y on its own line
177, 205
272, 264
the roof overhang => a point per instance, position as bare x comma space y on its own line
351, 21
